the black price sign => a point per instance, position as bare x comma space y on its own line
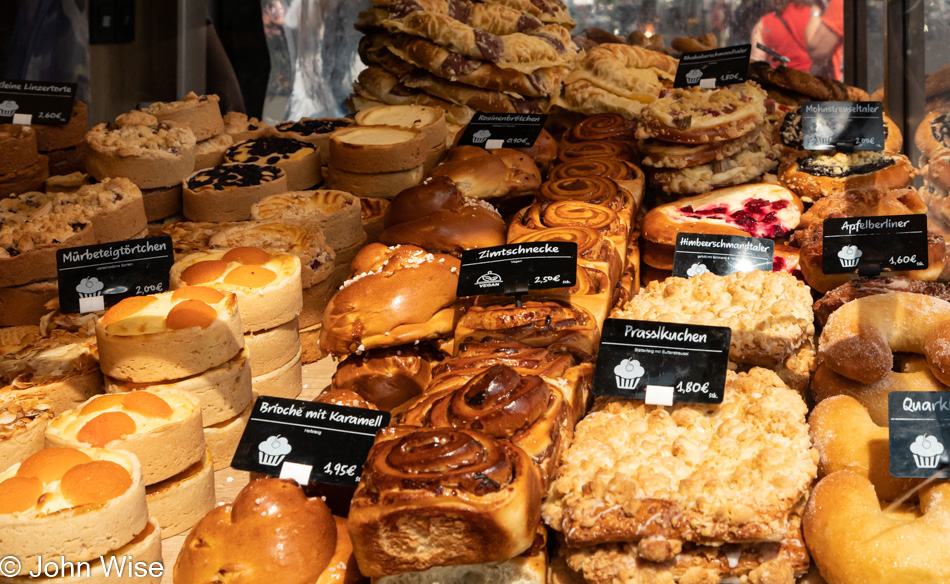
518, 267
715, 68
94, 277
843, 125
308, 442
919, 434
662, 362
490, 131
698, 253
871, 245
36, 102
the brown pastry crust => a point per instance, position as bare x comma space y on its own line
594, 249
151, 154
384, 185
67, 160
861, 287
670, 155
595, 149
299, 160
428, 120
584, 97
436, 217
594, 190
376, 149
314, 131
227, 192
489, 174
18, 145
24, 305
863, 203
386, 378
933, 133
697, 116
376, 86
27, 179
459, 496
746, 166
802, 82
199, 113
897, 173
474, 97
162, 202
66, 135
624, 173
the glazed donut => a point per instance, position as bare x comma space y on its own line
860, 337
847, 439
914, 376
818, 174
851, 539
811, 261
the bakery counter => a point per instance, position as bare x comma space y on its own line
228, 482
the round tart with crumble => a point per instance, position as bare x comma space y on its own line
698, 116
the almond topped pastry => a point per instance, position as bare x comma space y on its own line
79, 503
161, 427
153, 338
267, 285
23, 417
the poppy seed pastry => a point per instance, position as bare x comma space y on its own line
267, 285
162, 428
227, 192
77, 503
152, 338
299, 160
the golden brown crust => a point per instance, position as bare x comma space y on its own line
897, 174
459, 497
863, 203
803, 83
489, 174
697, 116
385, 377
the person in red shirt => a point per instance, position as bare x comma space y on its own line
783, 31
823, 37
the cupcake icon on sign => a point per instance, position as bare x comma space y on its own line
693, 76
90, 287
628, 374
8, 107
849, 256
271, 452
927, 451
481, 136
697, 269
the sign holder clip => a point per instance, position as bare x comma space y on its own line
869, 270
518, 287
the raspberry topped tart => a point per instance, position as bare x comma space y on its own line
756, 210
698, 116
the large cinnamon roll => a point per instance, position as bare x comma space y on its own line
626, 174
594, 190
504, 404
435, 497
594, 250
544, 215
596, 149
555, 325
397, 295
605, 126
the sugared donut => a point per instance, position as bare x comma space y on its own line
860, 337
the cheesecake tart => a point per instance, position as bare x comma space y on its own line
377, 149
314, 131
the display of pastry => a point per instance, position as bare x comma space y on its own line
315, 131
24, 414
227, 192
266, 285
336, 214
818, 174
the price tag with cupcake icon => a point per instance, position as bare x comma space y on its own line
871, 245
490, 131
919, 434
662, 362
36, 102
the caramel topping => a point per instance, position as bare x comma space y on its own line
201, 272
105, 428
19, 494
51, 464
202, 293
94, 482
190, 313
147, 404
250, 277
126, 308
247, 255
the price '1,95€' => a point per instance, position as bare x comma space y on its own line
340, 470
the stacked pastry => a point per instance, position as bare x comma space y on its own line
61, 367
65, 145
617, 78
648, 494
34, 225
770, 315
22, 168
228, 191
202, 115
849, 425
696, 140
791, 87
268, 292
78, 505
429, 120
24, 414
862, 203
378, 161
755, 210
162, 428
299, 160
147, 342
155, 155
501, 57
337, 216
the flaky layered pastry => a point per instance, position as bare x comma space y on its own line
730, 473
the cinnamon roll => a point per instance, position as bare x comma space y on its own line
605, 126
594, 250
624, 173
555, 325
504, 404
596, 149
434, 497
543, 215
594, 190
